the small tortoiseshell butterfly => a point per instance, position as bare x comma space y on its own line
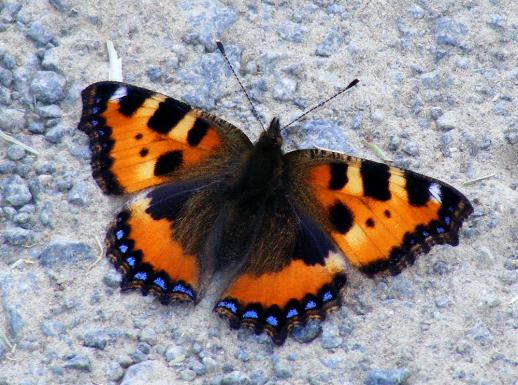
281, 225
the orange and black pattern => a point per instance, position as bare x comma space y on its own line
282, 226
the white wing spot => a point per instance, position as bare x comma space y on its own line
435, 191
119, 93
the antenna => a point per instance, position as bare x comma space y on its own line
350, 85
254, 112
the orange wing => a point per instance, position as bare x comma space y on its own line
379, 216
145, 241
140, 138
293, 272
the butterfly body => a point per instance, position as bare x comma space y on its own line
282, 226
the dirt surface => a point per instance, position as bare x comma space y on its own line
437, 94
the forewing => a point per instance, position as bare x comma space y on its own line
140, 138
380, 217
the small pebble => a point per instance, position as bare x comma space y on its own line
56, 254
79, 194
387, 377
48, 87
52, 328
40, 33
447, 121
308, 332
15, 152
284, 89
16, 191
112, 279
79, 362
55, 134
114, 372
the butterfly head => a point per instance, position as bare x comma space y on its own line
273, 136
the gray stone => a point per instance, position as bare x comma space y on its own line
99, 338
112, 279
258, 378
9, 61
79, 194
512, 137
145, 373
55, 134
216, 18
447, 121
114, 372
49, 111
205, 77
17, 236
291, 32
481, 334
48, 87
57, 254
431, 80
187, 375
15, 322
174, 352
5, 95
281, 370
308, 332
496, 21
284, 89
81, 152
448, 32
331, 338
257, 89
233, 378
154, 73
52, 328
320, 133
36, 127
16, 191
329, 45
15, 152
78, 362
387, 377
410, 148
12, 120
149, 335
40, 33
51, 60
6, 77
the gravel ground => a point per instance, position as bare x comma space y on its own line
438, 94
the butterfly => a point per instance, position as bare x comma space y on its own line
282, 226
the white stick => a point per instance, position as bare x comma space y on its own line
10, 139
115, 71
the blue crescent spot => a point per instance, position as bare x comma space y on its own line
451, 209
130, 261
160, 283
440, 229
310, 305
292, 313
447, 220
272, 320
141, 275
179, 288
123, 248
250, 314
228, 305
94, 122
425, 233
95, 110
97, 100
119, 234
327, 296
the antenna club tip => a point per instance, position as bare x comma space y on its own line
219, 44
352, 84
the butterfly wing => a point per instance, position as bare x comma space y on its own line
140, 138
380, 217
158, 240
291, 273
